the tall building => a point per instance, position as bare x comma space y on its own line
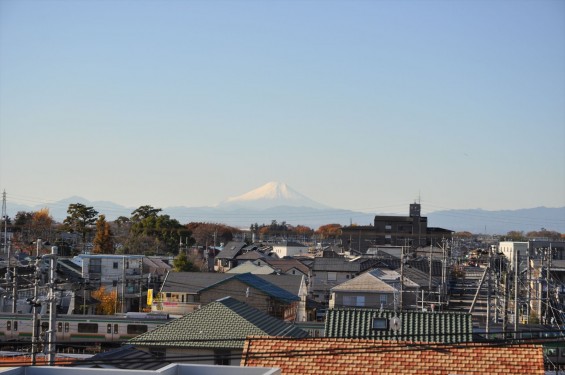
411, 230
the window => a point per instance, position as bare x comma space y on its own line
388, 227
15, 325
136, 329
115, 329
59, 326
8, 325
354, 301
222, 357
95, 266
383, 299
115, 265
109, 328
87, 328
332, 276
66, 327
380, 323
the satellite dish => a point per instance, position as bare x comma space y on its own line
395, 324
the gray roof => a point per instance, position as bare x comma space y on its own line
192, 282
414, 325
155, 266
251, 255
335, 264
290, 283
202, 328
419, 277
252, 268
231, 250
125, 357
196, 282
366, 283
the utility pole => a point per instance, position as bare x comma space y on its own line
34, 305
505, 304
401, 278
5, 218
15, 290
547, 282
123, 300
489, 286
516, 273
51, 348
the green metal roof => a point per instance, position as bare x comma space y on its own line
221, 324
448, 327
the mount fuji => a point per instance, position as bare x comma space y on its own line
270, 195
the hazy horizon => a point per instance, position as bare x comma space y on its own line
364, 106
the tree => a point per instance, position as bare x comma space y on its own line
515, 235
329, 231
80, 219
210, 233
464, 234
103, 241
144, 212
181, 263
42, 224
544, 233
108, 301
160, 233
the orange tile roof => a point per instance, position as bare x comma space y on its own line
333, 356
25, 360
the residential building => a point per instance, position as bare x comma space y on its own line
289, 249
543, 247
330, 272
226, 259
120, 273
214, 334
184, 292
364, 290
289, 266
408, 231
514, 251
547, 291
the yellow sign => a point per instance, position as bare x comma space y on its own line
149, 297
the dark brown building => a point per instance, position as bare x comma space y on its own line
412, 231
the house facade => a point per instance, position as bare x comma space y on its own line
185, 292
365, 290
120, 273
329, 272
289, 249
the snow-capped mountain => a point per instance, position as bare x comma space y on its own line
272, 194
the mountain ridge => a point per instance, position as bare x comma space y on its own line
277, 201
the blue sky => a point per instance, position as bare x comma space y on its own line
363, 105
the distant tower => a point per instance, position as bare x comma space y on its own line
415, 210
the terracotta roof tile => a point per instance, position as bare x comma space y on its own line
349, 356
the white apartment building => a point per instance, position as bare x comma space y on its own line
510, 248
121, 273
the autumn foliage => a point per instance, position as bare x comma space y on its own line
108, 301
329, 231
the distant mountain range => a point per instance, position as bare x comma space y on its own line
277, 201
